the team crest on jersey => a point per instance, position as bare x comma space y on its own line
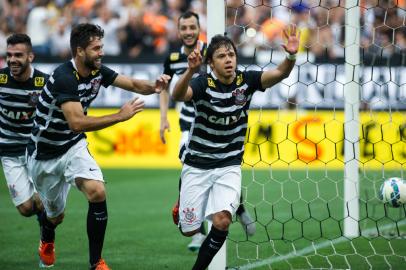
240, 98
95, 85
33, 100
3, 78
94, 72
39, 81
190, 215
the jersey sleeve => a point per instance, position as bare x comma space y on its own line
253, 78
108, 76
198, 85
64, 89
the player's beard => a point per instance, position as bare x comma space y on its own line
92, 63
190, 46
18, 68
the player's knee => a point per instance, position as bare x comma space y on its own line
189, 234
57, 220
222, 220
96, 193
26, 208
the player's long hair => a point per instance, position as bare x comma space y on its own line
83, 34
20, 39
216, 42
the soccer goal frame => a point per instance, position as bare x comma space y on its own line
216, 24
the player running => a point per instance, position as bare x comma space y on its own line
211, 174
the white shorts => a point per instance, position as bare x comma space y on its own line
53, 178
206, 192
19, 183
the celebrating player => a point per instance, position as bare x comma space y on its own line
211, 174
58, 154
175, 65
20, 86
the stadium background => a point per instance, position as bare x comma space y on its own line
142, 173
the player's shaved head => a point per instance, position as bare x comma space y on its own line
83, 34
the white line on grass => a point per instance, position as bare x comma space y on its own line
306, 250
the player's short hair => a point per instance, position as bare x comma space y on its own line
216, 42
188, 14
83, 34
20, 39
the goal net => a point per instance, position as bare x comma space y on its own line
321, 142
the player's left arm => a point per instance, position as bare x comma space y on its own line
143, 87
272, 77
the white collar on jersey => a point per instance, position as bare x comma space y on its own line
74, 64
31, 75
182, 49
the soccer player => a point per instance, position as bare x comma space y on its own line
20, 87
175, 65
211, 174
57, 152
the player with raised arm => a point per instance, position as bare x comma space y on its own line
20, 86
175, 65
211, 174
57, 152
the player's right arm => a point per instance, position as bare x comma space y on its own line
79, 122
182, 90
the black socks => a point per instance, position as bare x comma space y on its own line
96, 228
211, 245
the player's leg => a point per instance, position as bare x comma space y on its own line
50, 184
97, 217
221, 205
247, 223
87, 176
20, 186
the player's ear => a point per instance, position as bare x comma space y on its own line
31, 57
80, 51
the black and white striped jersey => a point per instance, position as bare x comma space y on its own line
51, 135
17, 110
176, 63
218, 132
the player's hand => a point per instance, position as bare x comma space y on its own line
292, 37
130, 108
161, 83
164, 126
195, 59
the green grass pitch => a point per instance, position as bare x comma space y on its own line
141, 235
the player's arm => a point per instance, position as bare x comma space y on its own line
143, 87
79, 122
272, 77
182, 90
163, 108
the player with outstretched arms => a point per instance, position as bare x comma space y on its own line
211, 174
175, 65
57, 152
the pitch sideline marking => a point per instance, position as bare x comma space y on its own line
307, 250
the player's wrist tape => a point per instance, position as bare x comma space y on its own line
291, 57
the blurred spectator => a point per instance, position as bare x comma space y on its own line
38, 27
156, 25
135, 38
60, 39
301, 17
110, 25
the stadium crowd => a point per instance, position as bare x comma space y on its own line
135, 27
